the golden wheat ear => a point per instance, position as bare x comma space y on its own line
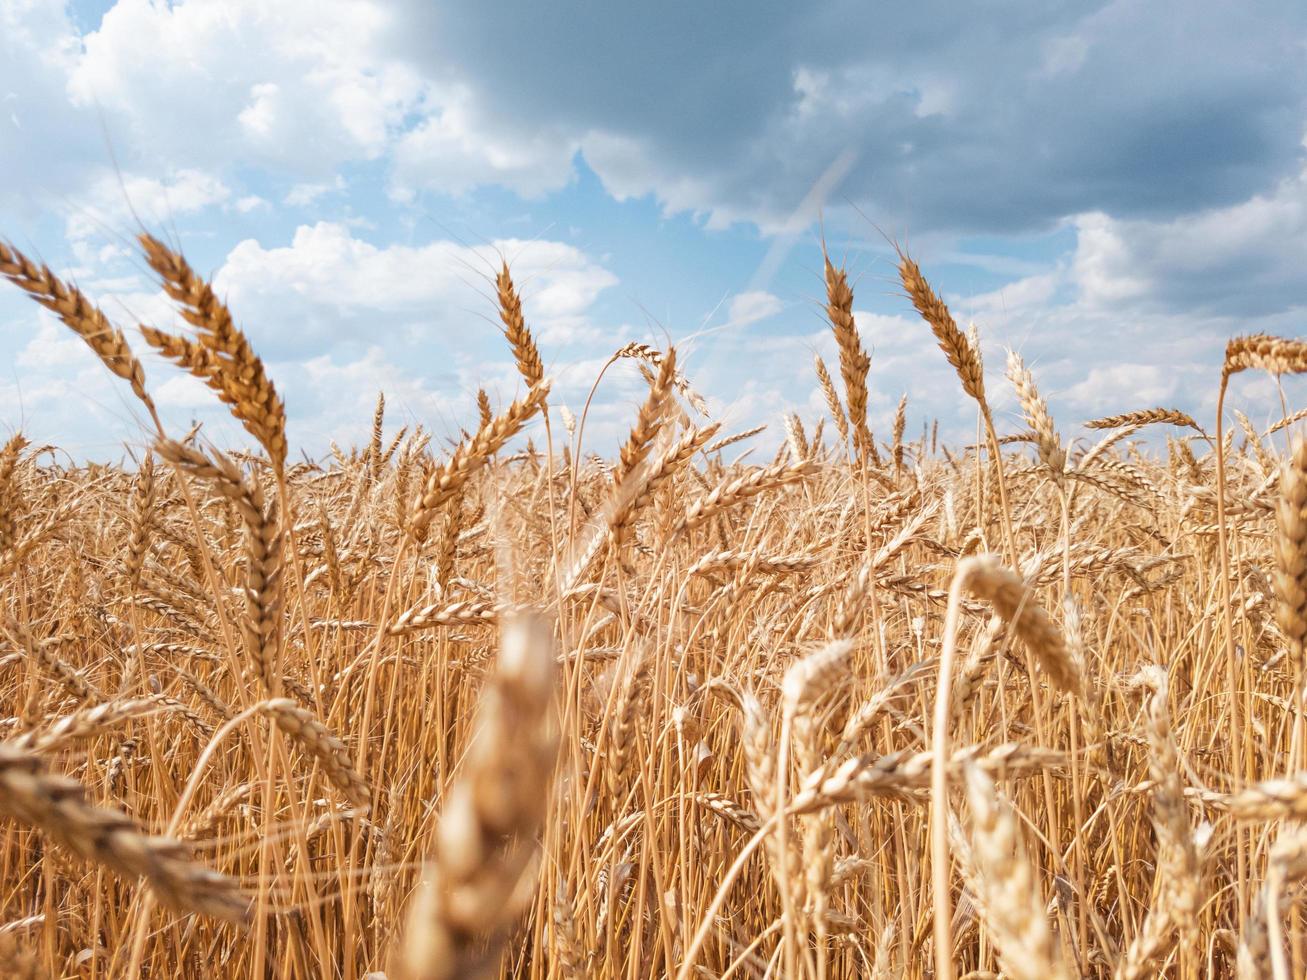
1013, 600
964, 357
263, 553
525, 353
445, 481
854, 362
57, 807
485, 842
833, 404
1006, 885
1276, 355
1035, 409
1147, 416
221, 355
649, 422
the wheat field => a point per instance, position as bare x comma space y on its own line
495, 706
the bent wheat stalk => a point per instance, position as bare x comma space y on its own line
57, 807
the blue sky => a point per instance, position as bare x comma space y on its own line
1111, 188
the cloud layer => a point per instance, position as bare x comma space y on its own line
982, 117
1113, 188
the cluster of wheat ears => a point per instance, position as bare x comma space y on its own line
870, 708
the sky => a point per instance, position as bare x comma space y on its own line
1112, 189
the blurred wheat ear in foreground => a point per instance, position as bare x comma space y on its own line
499, 707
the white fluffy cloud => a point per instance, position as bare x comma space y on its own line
327, 285
459, 146
45, 143
752, 306
112, 201
296, 84
1146, 384
950, 125
309, 192
1243, 258
302, 88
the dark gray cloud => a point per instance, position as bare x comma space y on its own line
995, 117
